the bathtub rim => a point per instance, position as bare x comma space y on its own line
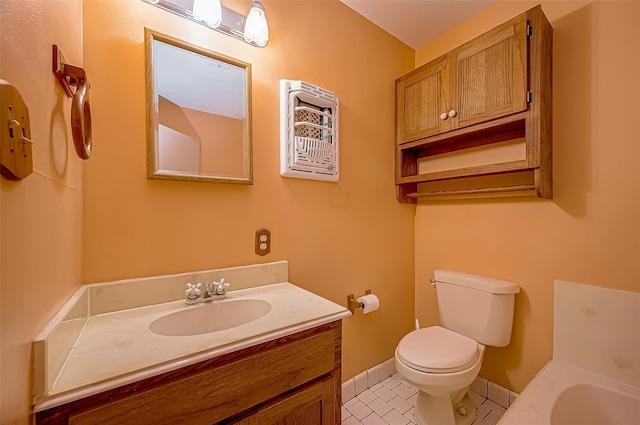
534, 405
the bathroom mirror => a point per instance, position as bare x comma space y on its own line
198, 113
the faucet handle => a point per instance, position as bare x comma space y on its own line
193, 290
221, 287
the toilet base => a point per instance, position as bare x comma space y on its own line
454, 409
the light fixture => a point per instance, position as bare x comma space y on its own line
252, 29
256, 29
208, 11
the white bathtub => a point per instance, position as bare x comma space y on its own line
563, 394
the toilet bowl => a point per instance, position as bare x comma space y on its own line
443, 376
443, 361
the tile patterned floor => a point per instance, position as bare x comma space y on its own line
392, 401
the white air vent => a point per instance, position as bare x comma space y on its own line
308, 131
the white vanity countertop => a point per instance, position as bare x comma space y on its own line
118, 348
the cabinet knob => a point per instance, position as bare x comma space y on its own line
444, 116
452, 113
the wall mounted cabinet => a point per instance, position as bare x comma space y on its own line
479, 112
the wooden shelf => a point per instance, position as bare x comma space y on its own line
498, 130
523, 189
480, 170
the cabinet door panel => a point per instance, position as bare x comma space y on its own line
421, 105
314, 405
421, 98
492, 74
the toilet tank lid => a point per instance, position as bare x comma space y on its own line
480, 283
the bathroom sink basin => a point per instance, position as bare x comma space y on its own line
210, 317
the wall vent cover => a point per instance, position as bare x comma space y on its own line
308, 131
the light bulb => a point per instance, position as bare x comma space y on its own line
209, 11
255, 26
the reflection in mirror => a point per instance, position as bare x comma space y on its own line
198, 113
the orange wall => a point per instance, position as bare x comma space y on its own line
174, 117
41, 241
589, 232
339, 238
223, 150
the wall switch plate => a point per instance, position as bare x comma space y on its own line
263, 241
16, 156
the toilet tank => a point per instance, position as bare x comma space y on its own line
476, 306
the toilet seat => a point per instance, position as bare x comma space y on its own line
437, 350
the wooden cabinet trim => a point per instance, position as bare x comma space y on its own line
500, 32
486, 129
418, 72
484, 43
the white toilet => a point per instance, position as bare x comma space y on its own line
442, 362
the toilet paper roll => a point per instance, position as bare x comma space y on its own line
369, 303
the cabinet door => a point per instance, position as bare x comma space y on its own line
491, 74
315, 405
421, 97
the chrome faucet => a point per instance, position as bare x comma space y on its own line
213, 291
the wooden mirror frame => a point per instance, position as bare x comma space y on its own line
153, 171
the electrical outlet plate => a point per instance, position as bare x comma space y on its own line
263, 241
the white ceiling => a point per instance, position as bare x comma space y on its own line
416, 22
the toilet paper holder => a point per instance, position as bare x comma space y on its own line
353, 304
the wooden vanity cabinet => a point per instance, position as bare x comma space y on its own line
294, 380
493, 89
